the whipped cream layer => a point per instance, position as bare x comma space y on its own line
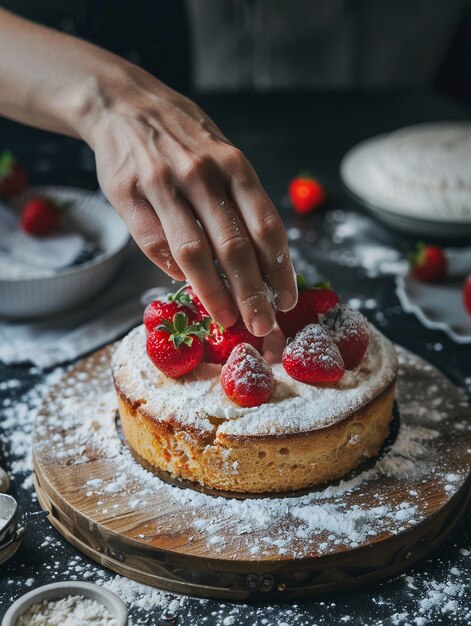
196, 399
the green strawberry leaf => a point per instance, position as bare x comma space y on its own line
180, 322
303, 286
167, 326
416, 257
305, 175
301, 281
180, 332
7, 160
188, 341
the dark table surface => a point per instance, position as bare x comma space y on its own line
282, 135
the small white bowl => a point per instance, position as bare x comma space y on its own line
45, 295
57, 591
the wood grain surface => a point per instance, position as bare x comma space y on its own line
153, 539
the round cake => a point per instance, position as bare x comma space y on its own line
305, 435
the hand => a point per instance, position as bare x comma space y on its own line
189, 197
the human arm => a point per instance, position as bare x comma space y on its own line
186, 193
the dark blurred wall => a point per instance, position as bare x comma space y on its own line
278, 44
151, 33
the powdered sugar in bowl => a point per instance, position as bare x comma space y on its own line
28, 290
63, 602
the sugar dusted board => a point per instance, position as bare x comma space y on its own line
363, 529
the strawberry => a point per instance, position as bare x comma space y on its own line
40, 217
323, 298
349, 330
306, 194
13, 178
467, 294
196, 301
176, 347
428, 263
167, 306
246, 378
221, 341
311, 302
312, 357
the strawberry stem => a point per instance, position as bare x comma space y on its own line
174, 296
180, 331
182, 297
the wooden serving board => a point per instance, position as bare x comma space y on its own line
369, 526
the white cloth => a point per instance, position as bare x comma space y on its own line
55, 340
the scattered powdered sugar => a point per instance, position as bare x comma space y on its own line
351, 243
426, 597
16, 424
318, 522
142, 596
70, 611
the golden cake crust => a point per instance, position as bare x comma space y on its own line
240, 454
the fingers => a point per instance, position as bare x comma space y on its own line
267, 233
228, 237
147, 231
183, 217
191, 250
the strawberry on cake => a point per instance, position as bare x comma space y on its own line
225, 409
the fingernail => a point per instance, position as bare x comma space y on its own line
227, 317
262, 324
285, 300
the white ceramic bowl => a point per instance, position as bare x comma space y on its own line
57, 591
358, 171
46, 295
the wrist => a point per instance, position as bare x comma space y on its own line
88, 103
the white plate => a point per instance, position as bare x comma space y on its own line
440, 306
69, 287
355, 174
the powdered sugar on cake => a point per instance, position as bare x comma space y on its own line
295, 407
350, 513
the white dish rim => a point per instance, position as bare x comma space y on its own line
380, 206
409, 307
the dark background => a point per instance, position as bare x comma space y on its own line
320, 128
156, 35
